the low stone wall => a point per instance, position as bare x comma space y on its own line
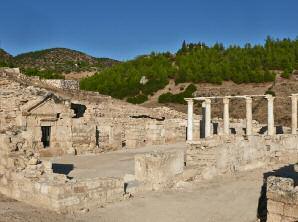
236, 153
62, 84
24, 177
61, 194
282, 200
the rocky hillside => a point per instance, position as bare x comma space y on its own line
5, 58
56, 60
62, 60
282, 88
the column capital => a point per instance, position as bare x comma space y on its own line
189, 100
269, 97
207, 101
248, 99
226, 100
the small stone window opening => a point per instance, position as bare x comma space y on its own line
78, 109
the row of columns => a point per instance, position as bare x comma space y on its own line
226, 118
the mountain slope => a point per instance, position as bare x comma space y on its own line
5, 58
136, 80
61, 60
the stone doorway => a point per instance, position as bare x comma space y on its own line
46, 136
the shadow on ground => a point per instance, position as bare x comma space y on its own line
62, 168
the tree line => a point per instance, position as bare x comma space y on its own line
196, 63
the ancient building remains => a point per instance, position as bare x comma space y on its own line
282, 203
39, 120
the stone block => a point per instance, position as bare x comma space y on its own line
158, 167
291, 210
80, 189
44, 189
275, 207
279, 183
274, 218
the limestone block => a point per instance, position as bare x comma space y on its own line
278, 183
274, 218
291, 210
47, 165
275, 207
33, 161
158, 167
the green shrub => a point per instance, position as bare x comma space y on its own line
177, 98
137, 99
123, 80
43, 74
270, 92
286, 73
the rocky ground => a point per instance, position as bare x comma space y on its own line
231, 198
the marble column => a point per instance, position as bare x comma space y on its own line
270, 115
248, 102
189, 119
226, 117
294, 114
207, 118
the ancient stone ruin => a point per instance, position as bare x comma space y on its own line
282, 203
40, 121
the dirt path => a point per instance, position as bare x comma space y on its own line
225, 199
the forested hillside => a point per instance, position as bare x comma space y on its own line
197, 63
54, 63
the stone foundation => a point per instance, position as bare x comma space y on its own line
282, 200
61, 194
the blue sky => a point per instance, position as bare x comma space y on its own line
123, 29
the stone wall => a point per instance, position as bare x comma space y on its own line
221, 154
282, 200
62, 195
105, 125
24, 177
63, 84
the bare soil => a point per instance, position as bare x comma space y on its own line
226, 199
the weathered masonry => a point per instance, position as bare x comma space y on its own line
56, 122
